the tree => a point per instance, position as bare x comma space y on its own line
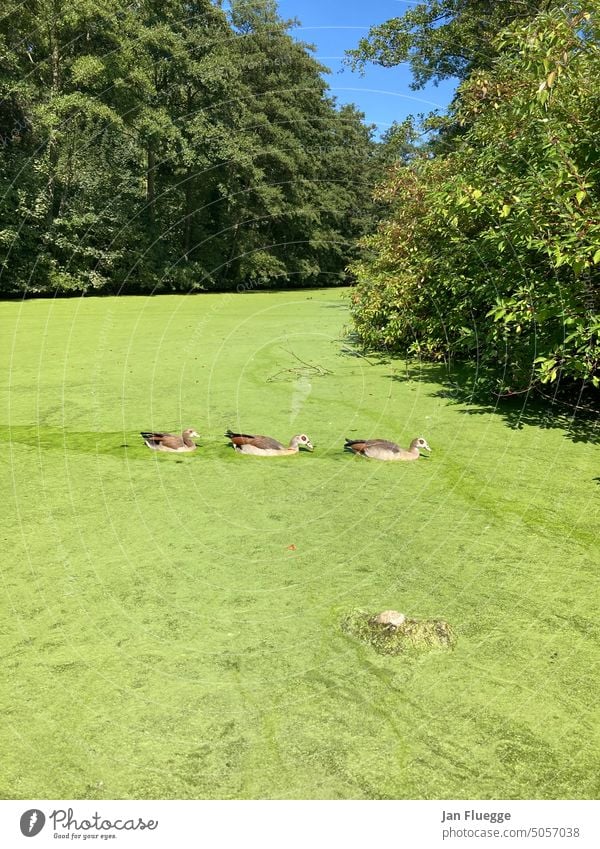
291, 176
163, 145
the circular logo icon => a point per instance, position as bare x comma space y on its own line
32, 822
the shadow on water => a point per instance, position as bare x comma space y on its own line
579, 424
580, 420
44, 438
130, 446
352, 349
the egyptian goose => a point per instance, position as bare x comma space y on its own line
381, 449
264, 446
170, 442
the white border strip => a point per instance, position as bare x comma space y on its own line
301, 824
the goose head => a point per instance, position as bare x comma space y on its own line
420, 444
191, 433
302, 441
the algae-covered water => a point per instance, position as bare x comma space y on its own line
171, 625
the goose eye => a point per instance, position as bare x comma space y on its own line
304, 439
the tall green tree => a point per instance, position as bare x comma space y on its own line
166, 145
46, 50
289, 195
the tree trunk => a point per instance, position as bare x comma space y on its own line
53, 151
150, 183
188, 213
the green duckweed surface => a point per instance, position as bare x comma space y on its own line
171, 625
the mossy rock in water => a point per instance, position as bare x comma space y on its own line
417, 635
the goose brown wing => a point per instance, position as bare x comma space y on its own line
155, 438
267, 442
264, 442
356, 445
383, 444
169, 440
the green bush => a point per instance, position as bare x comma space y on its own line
491, 250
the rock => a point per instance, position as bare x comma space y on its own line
391, 618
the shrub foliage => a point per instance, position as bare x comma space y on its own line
490, 247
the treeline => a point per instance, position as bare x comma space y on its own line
169, 146
489, 252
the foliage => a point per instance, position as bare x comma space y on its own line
443, 38
491, 250
152, 146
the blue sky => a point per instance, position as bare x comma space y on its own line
383, 94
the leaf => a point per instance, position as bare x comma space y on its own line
596, 259
550, 79
581, 196
506, 208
